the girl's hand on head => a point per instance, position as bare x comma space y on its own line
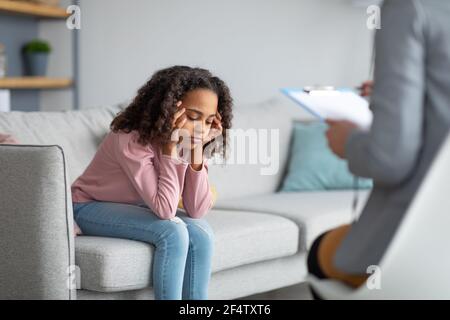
178, 122
179, 119
216, 128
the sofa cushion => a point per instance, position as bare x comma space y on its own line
314, 212
78, 132
112, 264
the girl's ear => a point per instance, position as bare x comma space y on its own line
179, 103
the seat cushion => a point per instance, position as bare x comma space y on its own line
314, 212
112, 264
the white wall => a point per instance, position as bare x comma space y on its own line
255, 46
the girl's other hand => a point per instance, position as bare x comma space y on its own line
216, 128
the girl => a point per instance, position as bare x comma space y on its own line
144, 165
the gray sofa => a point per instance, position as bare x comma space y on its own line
261, 236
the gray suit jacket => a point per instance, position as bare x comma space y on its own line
411, 105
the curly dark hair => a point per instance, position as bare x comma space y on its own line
151, 112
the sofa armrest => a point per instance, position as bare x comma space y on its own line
36, 224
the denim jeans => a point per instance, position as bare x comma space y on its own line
183, 246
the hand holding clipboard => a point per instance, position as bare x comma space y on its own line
327, 103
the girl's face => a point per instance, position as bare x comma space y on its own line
201, 109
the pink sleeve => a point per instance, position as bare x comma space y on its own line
7, 139
160, 192
197, 198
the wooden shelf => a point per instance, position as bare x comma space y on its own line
32, 9
34, 83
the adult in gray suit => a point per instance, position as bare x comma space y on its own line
411, 105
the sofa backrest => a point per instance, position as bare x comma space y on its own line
80, 132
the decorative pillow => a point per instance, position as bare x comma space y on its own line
313, 166
9, 139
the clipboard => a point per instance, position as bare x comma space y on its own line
334, 104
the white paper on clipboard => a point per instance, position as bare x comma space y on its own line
342, 104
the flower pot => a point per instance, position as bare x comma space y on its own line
36, 63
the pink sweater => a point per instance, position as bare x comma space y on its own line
7, 139
125, 171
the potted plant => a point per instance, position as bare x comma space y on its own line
36, 54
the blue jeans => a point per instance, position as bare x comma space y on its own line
183, 246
